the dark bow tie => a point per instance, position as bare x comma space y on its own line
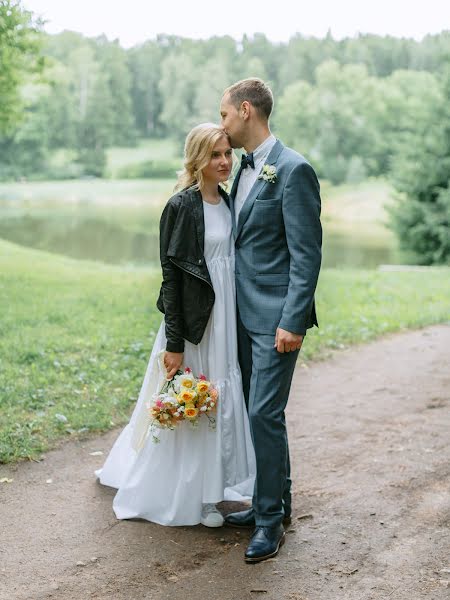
247, 161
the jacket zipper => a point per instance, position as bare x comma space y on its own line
193, 274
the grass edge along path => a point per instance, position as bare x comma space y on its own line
75, 336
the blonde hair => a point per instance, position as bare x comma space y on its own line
198, 148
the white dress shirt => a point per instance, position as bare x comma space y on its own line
249, 175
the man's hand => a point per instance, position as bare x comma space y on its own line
285, 341
172, 362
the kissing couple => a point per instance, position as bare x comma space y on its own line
239, 273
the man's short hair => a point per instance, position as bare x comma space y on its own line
256, 92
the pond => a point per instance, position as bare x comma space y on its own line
117, 223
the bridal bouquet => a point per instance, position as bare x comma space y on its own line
183, 398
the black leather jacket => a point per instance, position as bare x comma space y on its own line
187, 295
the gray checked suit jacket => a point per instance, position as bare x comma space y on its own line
278, 239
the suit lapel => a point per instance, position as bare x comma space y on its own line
257, 187
232, 197
235, 183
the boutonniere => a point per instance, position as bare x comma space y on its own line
268, 173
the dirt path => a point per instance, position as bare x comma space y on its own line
370, 440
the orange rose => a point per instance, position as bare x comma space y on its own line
203, 386
187, 381
186, 396
190, 412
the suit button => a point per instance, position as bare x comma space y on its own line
199, 261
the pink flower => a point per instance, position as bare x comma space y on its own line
159, 404
202, 377
188, 370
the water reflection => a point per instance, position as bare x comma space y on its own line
358, 250
89, 238
100, 239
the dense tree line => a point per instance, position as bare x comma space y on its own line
358, 107
341, 103
19, 59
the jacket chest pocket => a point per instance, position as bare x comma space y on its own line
267, 211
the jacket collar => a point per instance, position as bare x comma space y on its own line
196, 201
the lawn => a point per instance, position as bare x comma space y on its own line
75, 336
156, 150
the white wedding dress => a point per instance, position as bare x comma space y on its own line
167, 482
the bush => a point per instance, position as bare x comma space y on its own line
93, 161
356, 170
423, 227
67, 171
421, 175
150, 169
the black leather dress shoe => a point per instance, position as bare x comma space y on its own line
245, 519
265, 543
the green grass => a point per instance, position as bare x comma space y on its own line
75, 336
119, 157
359, 204
146, 150
74, 340
64, 195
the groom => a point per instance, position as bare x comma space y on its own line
275, 208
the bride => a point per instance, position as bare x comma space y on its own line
179, 480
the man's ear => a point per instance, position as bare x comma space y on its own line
245, 109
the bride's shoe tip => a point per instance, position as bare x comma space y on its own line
211, 517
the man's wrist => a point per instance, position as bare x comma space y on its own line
301, 332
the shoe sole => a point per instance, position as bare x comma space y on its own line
286, 521
261, 558
211, 526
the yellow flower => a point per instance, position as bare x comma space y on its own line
186, 382
186, 396
203, 386
202, 399
190, 412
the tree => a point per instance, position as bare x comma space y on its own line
332, 122
296, 117
177, 89
94, 133
113, 62
405, 98
19, 56
24, 151
145, 66
260, 58
58, 101
421, 174
94, 109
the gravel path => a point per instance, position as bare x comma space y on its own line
370, 444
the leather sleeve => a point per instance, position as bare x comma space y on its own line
171, 283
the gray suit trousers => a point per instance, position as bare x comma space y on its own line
267, 376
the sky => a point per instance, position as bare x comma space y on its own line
135, 21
